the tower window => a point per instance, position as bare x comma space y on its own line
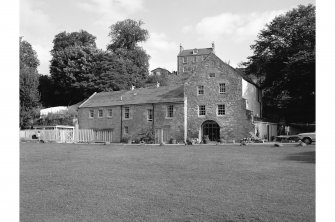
202, 110
222, 88
201, 90
221, 110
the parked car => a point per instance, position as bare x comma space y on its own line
287, 139
307, 138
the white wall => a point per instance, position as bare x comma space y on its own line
249, 92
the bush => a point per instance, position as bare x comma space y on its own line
125, 139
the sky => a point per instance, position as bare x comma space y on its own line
232, 25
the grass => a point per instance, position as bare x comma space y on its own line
67, 182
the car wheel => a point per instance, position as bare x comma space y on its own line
307, 140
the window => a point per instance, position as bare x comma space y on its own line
110, 113
221, 110
184, 68
150, 115
169, 111
211, 75
201, 90
202, 110
126, 112
126, 130
100, 113
184, 59
222, 88
91, 114
194, 59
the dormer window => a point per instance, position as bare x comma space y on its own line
195, 51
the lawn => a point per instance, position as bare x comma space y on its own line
68, 182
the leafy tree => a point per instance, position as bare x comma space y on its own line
284, 63
78, 68
133, 60
29, 95
73, 57
127, 34
81, 38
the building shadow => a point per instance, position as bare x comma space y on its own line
306, 157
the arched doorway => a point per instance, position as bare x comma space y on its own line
212, 129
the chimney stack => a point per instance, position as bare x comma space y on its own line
213, 47
181, 48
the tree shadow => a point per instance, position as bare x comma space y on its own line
307, 157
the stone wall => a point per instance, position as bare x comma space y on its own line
190, 64
138, 122
235, 124
110, 123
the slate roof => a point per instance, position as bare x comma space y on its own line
161, 94
189, 52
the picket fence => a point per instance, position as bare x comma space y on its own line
68, 135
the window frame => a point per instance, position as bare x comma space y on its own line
150, 113
218, 110
109, 111
126, 112
102, 113
126, 130
224, 88
212, 75
200, 90
184, 59
169, 111
91, 112
201, 112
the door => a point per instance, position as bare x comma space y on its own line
212, 129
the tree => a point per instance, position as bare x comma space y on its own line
29, 95
81, 39
133, 60
284, 63
127, 34
73, 57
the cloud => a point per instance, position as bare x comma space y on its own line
240, 26
33, 22
106, 13
36, 28
187, 29
162, 51
110, 11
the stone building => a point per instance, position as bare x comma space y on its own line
209, 98
159, 71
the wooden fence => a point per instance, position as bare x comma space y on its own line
69, 135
